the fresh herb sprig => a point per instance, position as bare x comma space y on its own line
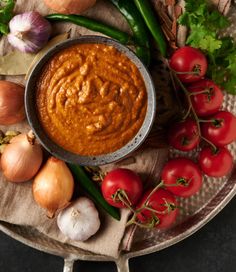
6, 13
205, 24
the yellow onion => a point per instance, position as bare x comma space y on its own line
53, 186
11, 103
22, 158
70, 6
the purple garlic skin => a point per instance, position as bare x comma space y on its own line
29, 32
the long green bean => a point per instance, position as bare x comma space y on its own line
152, 23
94, 25
138, 26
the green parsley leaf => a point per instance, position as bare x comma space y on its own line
6, 13
210, 43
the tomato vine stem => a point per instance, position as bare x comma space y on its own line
123, 197
200, 92
174, 78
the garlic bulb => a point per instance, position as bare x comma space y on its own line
29, 31
80, 220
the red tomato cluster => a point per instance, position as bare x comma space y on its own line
182, 177
155, 208
217, 127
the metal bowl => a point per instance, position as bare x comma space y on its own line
57, 150
200, 209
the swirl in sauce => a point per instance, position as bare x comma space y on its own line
91, 99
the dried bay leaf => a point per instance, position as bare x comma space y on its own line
15, 63
18, 63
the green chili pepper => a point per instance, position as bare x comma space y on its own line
139, 29
146, 10
94, 25
87, 184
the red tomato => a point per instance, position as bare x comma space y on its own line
182, 177
122, 183
184, 135
215, 164
165, 205
221, 130
190, 63
206, 103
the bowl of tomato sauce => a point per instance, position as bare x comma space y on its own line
90, 101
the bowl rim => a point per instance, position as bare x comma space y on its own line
61, 153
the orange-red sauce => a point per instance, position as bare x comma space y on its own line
91, 99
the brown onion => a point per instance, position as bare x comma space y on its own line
53, 186
11, 103
22, 158
69, 6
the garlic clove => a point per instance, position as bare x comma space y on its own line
21, 45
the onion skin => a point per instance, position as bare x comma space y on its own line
21, 159
53, 186
12, 109
70, 6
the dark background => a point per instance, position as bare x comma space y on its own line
212, 249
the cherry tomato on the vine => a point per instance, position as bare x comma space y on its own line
189, 63
182, 177
215, 163
164, 203
221, 128
184, 135
122, 186
210, 97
